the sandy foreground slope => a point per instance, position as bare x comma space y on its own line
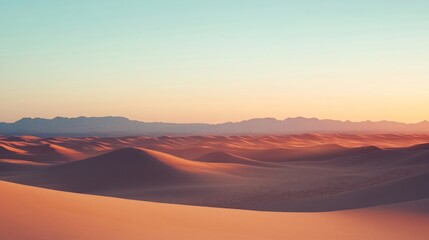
37, 213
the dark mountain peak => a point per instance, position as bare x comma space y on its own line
29, 119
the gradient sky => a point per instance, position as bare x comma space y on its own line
215, 61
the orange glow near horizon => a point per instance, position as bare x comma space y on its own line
350, 61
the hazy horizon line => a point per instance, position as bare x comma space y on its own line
223, 122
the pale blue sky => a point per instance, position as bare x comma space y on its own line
215, 61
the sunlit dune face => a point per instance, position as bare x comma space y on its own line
22, 162
12, 149
190, 166
16, 143
66, 151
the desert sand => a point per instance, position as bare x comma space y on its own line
312, 186
35, 213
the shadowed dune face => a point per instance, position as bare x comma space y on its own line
317, 153
423, 146
310, 172
14, 166
126, 168
224, 157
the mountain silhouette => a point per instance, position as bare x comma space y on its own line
120, 126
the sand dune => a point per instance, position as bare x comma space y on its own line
40, 152
382, 158
195, 146
325, 178
373, 194
224, 157
4, 151
244, 172
122, 169
401, 190
330, 179
422, 158
423, 146
14, 166
314, 153
34, 213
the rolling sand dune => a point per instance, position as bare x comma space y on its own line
34, 213
223, 157
421, 158
362, 189
334, 199
424, 146
318, 178
195, 146
14, 166
40, 152
309, 153
126, 168
401, 190
5, 151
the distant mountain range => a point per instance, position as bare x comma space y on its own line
120, 126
